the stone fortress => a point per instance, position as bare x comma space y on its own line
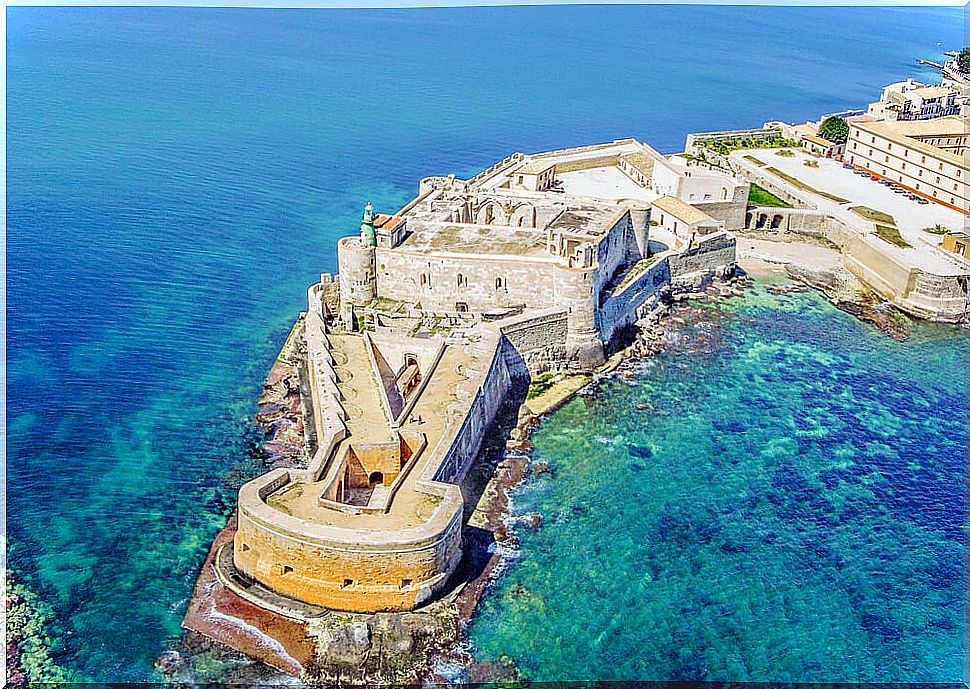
534, 265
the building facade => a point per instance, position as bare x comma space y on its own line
924, 156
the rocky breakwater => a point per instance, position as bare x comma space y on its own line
846, 293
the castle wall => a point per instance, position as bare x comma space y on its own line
732, 211
621, 308
478, 417
714, 254
536, 342
439, 283
365, 570
345, 569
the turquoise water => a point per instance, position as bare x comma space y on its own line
777, 498
176, 177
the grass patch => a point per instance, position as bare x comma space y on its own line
936, 229
872, 215
785, 153
759, 196
635, 271
804, 187
891, 235
736, 143
752, 159
541, 384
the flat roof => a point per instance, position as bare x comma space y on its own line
534, 167
905, 132
640, 161
482, 240
932, 91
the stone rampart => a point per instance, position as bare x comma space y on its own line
344, 568
536, 341
367, 569
714, 254
621, 307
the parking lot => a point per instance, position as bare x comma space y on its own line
859, 189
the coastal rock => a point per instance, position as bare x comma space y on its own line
169, 663
541, 468
533, 520
883, 316
350, 645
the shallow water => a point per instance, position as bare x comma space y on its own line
176, 178
777, 498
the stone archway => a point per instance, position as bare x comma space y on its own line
375, 479
776, 221
524, 215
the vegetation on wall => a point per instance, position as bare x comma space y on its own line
541, 384
834, 129
725, 146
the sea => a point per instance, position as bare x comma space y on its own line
177, 176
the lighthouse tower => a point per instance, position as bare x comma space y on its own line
368, 237
356, 263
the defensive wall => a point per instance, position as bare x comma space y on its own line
697, 140
380, 564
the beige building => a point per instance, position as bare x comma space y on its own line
807, 134
535, 176
958, 243
911, 100
683, 220
924, 156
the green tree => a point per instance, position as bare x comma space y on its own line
835, 129
963, 60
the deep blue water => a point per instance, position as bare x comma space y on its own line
177, 176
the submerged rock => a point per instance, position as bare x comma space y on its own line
541, 468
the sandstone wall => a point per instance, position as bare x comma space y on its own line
621, 307
488, 399
394, 568
713, 254
536, 342
487, 283
345, 569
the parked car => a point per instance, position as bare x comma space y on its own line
875, 177
922, 202
847, 166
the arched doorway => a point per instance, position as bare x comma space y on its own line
376, 479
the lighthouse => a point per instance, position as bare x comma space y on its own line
367, 235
